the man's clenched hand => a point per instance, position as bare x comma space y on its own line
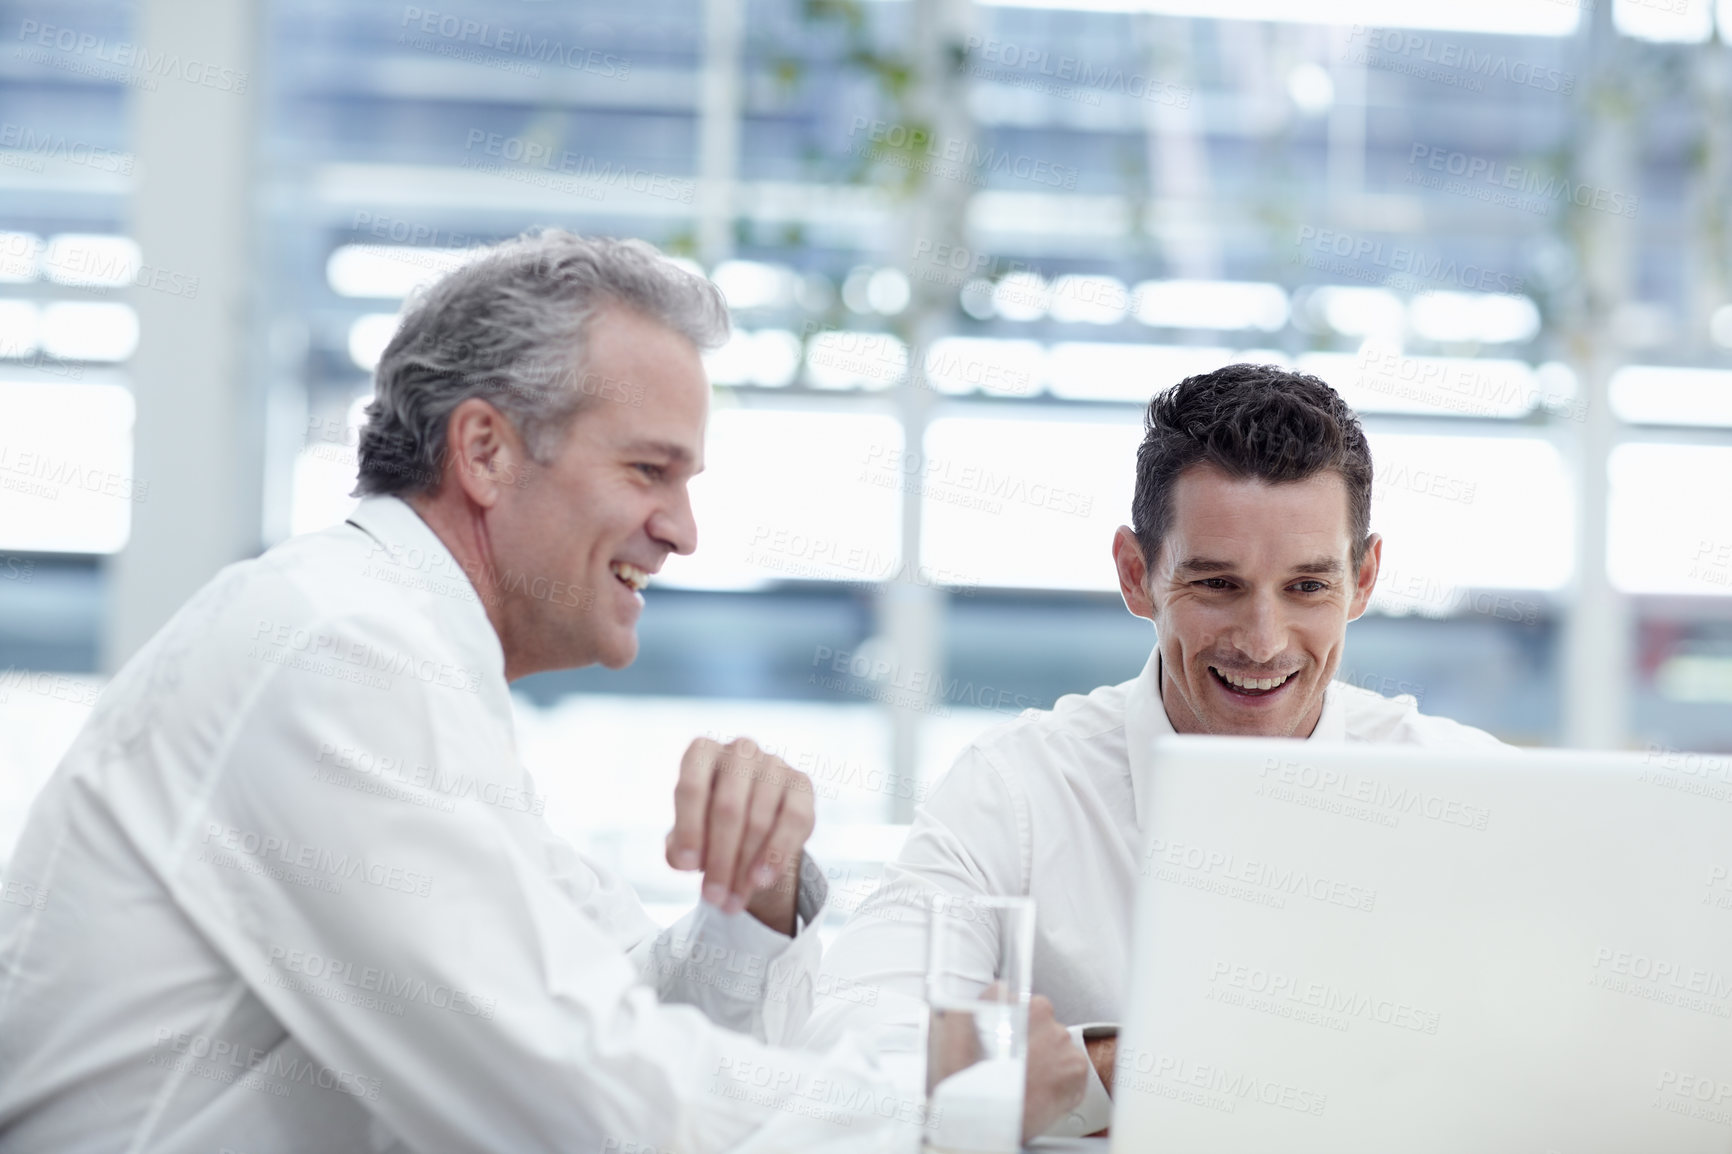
1057, 1071
743, 817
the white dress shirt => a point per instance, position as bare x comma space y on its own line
293, 892
1051, 804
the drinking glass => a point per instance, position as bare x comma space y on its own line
979, 954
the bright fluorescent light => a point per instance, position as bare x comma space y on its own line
1380, 379
1672, 21
1094, 300
89, 331
1311, 87
1211, 304
389, 270
368, 336
1695, 677
769, 358
1026, 503
975, 298
834, 524
324, 476
1086, 371
66, 483
1660, 536
19, 254
730, 364
750, 284
1359, 312
1468, 513
325, 472
1488, 318
888, 291
961, 365
91, 260
1651, 395
20, 329
1022, 296
1720, 324
839, 359
1515, 17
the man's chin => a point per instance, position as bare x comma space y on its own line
620, 654
1254, 727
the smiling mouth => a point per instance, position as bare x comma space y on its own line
1251, 686
630, 576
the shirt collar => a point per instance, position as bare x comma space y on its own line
410, 542
1146, 721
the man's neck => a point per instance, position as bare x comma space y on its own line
464, 532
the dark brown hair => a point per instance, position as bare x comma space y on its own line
1250, 421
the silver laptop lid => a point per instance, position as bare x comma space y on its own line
1353, 948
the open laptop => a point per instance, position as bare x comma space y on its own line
1354, 949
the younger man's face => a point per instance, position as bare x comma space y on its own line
1250, 592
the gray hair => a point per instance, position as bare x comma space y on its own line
511, 327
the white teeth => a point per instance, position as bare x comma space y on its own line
631, 575
1252, 682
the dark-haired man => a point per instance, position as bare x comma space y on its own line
1250, 550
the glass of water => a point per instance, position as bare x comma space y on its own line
980, 951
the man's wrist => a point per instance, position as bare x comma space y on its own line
775, 907
797, 897
1102, 1052
1095, 1112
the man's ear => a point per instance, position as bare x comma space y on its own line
1366, 579
1133, 573
483, 452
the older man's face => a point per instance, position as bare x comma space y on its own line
1251, 595
610, 507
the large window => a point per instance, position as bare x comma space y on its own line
925, 427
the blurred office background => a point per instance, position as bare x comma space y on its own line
964, 243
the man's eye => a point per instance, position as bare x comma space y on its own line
653, 472
1215, 583
1310, 586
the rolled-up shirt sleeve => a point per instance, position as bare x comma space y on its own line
409, 928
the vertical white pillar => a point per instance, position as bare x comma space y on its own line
718, 130
910, 612
200, 429
1596, 652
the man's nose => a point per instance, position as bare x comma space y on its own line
675, 525
1262, 632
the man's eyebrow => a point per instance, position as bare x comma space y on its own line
666, 449
1204, 565
1319, 567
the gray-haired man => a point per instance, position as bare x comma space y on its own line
295, 889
